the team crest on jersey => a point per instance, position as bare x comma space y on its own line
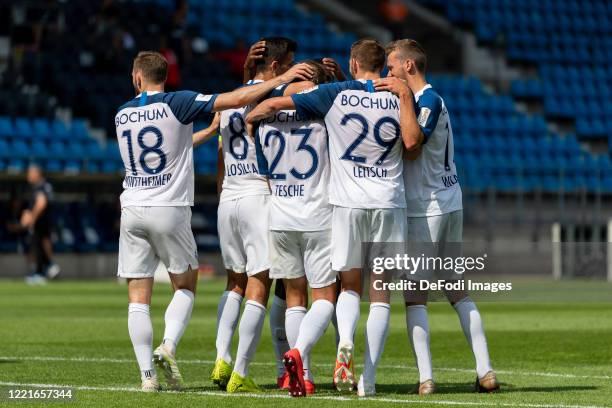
203, 98
314, 88
424, 116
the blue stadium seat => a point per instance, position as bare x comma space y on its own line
54, 166
41, 129
16, 165
6, 127
59, 130
93, 149
76, 149
73, 166
39, 149
23, 129
57, 150
79, 129
19, 149
4, 150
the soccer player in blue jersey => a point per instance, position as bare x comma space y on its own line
154, 131
366, 190
434, 209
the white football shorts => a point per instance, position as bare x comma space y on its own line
294, 254
437, 228
352, 227
243, 234
152, 234
445, 232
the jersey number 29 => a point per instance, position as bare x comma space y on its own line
387, 145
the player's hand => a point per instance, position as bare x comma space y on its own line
250, 128
216, 122
253, 116
26, 219
256, 52
392, 84
333, 68
302, 71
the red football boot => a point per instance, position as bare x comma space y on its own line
295, 368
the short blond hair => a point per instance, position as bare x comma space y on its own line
409, 49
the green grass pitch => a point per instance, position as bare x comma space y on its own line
550, 354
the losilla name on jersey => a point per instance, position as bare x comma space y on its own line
240, 169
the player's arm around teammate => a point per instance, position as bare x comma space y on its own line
246, 95
208, 133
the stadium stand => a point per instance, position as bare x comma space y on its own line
508, 150
568, 41
504, 150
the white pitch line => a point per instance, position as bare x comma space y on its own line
320, 397
256, 363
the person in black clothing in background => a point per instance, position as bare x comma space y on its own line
37, 219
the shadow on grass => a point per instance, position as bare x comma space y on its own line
468, 388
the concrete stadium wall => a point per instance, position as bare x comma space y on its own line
511, 257
92, 266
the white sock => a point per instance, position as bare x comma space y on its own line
347, 313
293, 320
277, 329
249, 333
313, 326
375, 337
228, 313
418, 333
177, 317
334, 322
471, 323
141, 334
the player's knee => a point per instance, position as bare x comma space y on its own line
351, 281
415, 297
237, 282
456, 296
185, 281
258, 288
139, 297
296, 298
379, 296
328, 293
423, 303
